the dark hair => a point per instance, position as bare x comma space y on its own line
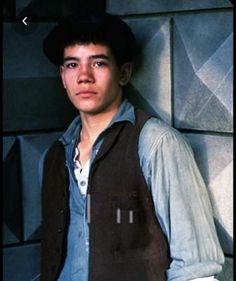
102, 28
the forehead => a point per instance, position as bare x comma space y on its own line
82, 50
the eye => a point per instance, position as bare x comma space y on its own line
71, 65
99, 64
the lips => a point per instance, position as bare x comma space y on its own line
86, 93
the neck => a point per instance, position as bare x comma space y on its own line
93, 125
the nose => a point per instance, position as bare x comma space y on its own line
85, 74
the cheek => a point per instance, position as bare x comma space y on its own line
111, 80
68, 81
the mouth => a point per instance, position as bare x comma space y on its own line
86, 94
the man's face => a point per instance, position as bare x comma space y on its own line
92, 79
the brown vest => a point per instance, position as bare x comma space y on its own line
126, 241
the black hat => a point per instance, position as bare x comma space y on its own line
93, 27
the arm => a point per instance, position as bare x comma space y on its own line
211, 278
181, 203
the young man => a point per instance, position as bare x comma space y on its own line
122, 196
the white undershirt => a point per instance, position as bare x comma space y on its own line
81, 173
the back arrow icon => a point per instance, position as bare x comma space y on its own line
24, 21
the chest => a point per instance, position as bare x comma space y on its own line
85, 149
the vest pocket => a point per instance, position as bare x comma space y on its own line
130, 228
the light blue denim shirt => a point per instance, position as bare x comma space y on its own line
180, 198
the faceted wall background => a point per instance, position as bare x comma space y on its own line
183, 75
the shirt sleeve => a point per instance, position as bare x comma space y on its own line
181, 203
211, 278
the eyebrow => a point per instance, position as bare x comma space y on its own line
97, 56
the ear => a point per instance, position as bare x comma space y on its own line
125, 73
62, 76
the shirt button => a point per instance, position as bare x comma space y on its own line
62, 211
83, 183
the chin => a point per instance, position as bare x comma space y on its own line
93, 109
89, 110
87, 107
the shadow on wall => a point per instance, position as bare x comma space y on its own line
133, 95
227, 272
226, 240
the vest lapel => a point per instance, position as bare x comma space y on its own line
110, 138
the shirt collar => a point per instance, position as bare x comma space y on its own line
124, 113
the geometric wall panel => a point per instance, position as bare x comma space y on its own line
214, 155
203, 71
21, 263
151, 76
31, 82
21, 4
11, 191
151, 6
41, 9
28, 59
33, 148
36, 103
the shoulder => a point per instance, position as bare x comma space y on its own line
156, 126
157, 134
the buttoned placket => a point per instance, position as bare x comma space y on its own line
78, 201
81, 176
